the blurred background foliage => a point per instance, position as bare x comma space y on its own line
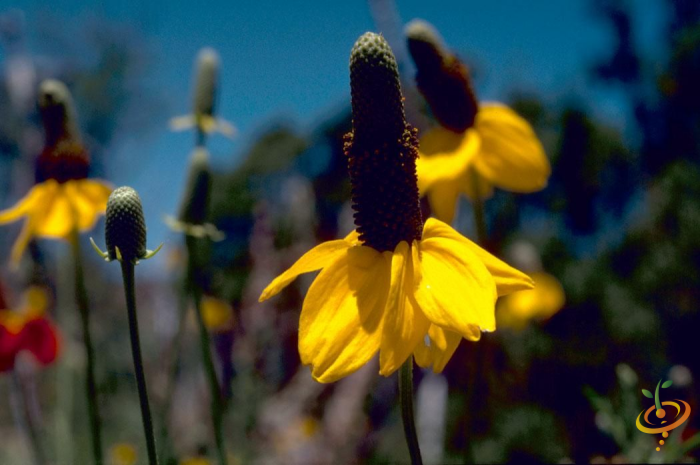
618, 225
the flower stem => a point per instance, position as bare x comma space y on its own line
129, 291
217, 407
81, 299
479, 216
26, 419
406, 399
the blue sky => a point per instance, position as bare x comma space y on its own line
287, 60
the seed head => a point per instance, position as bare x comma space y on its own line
206, 82
195, 203
63, 157
441, 77
125, 225
381, 150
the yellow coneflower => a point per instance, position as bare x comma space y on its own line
394, 280
64, 200
477, 145
122, 453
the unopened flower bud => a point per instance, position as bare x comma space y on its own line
206, 82
195, 203
125, 227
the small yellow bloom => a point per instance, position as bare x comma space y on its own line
542, 302
53, 210
122, 454
195, 461
443, 286
217, 314
501, 149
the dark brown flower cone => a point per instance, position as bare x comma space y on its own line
442, 78
381, 149
125, 226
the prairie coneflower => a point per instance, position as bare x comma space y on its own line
477, 145
63, 200
204, 100
394, 280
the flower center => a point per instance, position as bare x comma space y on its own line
382, 150
65, 161
442, 78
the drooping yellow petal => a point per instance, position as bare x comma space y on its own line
88, 200
507, 278
438, 349
340, 328
404, 322
443, 196
319, 257
58, 220
28, 203
546, 299
444, 155
511, 156
456, 292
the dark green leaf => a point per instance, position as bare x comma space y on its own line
667, 384
647, 393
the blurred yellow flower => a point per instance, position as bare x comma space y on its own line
421, 299
54, 210
122, 454
500, 150
542, 302
216, 313
195, 461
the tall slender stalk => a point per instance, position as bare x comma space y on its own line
406, 399
81, 299
216, 405
130, 294
26, 418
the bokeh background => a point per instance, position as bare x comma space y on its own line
611, 88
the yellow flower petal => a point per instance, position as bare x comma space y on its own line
511, 156
28, 203
475, 186
404, 322
456, 292
89, 201
444, 155
319, 257
340, 327
442, 197
440, 347
546, 299
507, 278
58, 220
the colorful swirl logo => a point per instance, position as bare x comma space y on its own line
666, 424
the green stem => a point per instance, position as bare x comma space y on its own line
216, 405
28, 424
129, 291
81, 299
479, 216
406, 399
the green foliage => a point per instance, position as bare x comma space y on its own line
647, 394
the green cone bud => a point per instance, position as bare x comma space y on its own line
125, 226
